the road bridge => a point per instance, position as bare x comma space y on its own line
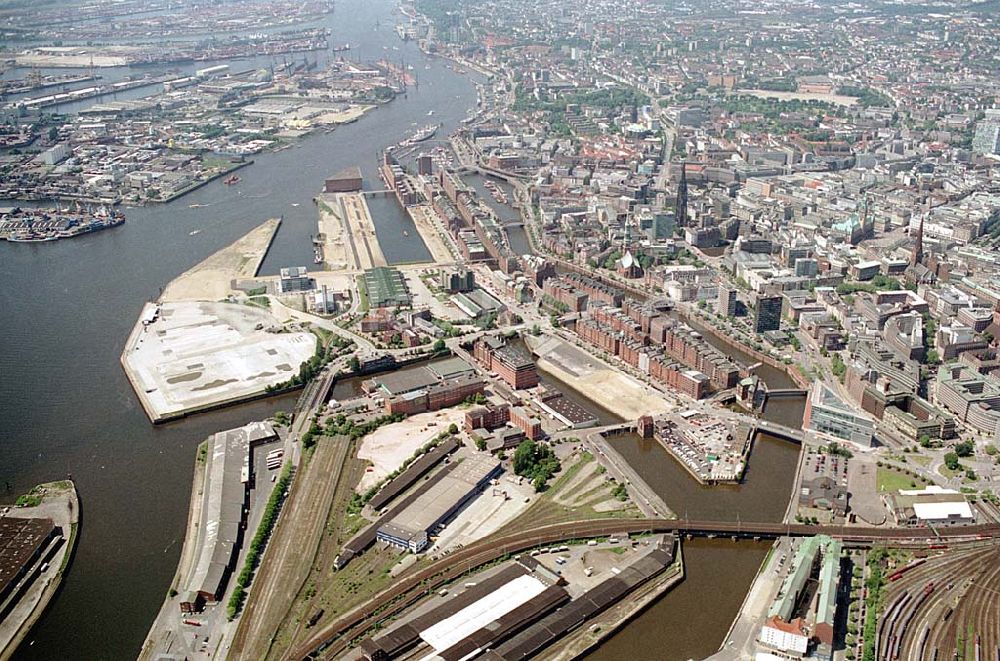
779, 430
786, 392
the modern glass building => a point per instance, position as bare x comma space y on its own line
827, 414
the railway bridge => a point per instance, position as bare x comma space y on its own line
332, 638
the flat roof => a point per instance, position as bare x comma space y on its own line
449, 631
404, 381
428, 509
19, 540
956, 509
450, 367
348, 173
222, 514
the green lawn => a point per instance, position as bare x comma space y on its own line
890, 480
947, 472
362, 295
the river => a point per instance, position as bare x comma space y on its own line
66, 407
68, 306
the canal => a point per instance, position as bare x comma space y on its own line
683, 624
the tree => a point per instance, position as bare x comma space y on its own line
53, 134
537, 462
964, 449
354, 364
453, 429
439, 345
951, 461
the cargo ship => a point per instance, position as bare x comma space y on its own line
39, 225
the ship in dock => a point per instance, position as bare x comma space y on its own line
38, 225
425, 133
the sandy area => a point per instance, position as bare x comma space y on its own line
337, 253
427, 224
362, 231
211, 279
614, 391
389, 446
351, 114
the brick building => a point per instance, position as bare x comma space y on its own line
511, 363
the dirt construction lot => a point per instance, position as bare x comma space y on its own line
388, 447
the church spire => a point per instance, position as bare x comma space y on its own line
918, 245
681, 203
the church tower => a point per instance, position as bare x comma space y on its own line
681, 203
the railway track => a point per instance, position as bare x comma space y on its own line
948, 605
334, 637
283, 569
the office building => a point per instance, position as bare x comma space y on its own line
459, 280
727, 301
974, 398
295, 279
510, 362
826, 414
986, 140
767, 316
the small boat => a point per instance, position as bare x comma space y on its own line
193, 232
430, 112
230, 180
195, 206
295, 204
406, 233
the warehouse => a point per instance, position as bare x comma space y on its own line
486, 611
22, 542
411, 528
228, 480
528, 642
386, 288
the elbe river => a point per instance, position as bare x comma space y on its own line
66, 407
